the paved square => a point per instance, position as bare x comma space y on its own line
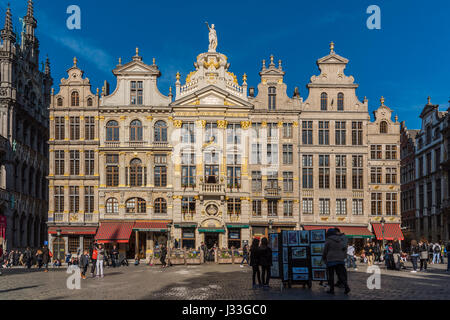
213, 282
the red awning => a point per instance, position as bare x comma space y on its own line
156, 226
73, 230
391, 231
114, 232
349, 231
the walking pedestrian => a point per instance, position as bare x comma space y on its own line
245, 255
45, 257
367, 253
84, 263
94, 255
396, 253
265, 260
351, 261
334, 254
204, 250
436, 253
423, 251
28, 258
254, 262
163, 256
414, 253
100, 260
39, 258
442, 252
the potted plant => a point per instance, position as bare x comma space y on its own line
156, 257
225, 256
193, 257
238, 255
177, 256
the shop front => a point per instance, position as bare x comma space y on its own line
73, 240
186, 234
147, 235
237, 236
116, 233
213, 233
262, 230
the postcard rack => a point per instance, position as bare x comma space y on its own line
297, 257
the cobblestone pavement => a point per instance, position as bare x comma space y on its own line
213, 282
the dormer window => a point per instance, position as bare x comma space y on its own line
137, 93
75, 99
89, 102
383, 127
60, 102
324, 102
272, 98
340, 102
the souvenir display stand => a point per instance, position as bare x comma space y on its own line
297, 257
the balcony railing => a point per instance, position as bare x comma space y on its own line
112, 144
212, 188
273, 193
58, 217
88, 217
159, 144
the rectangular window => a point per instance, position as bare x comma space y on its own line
256, 181
211, 132
324, 207
188, 206
60, 128
420, 167
272, 130
437, 159
375, 175
287, 130
112, 170
161, 176
376, 152
341, 207
256, 153
391, 175
341, 172
74, 128
74, 196
307, 132
188, 133
89, 199
288, 208
234, 134
391, 152
376, 204
234, 171
74, 162
340, 133
188, 170
74, 244
307, 206
89, 128
59, 199
391, 204
307, 171
89, 159
288, 154
59, 162
357, 172
272, 208
357, 207
234, 206
272, 154
324, 132
256, 208
357, 133
324, 171
288, 181
137, 89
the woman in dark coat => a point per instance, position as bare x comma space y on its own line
254, 263
45, 257
265, 260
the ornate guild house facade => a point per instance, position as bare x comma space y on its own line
24, 101
218, 162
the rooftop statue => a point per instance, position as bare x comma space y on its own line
212, 38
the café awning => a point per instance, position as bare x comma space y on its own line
238, 226
150, 226
114, 232
73, 230
354, 232
211, 230
391, 231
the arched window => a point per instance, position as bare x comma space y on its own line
136, 131
136, 173
75, 99
136, 205
112, 206
272, 98
160, 206
89, 102
160, 131
112, 131
383, 127
340, 105
60, 102
428, 134
324, 102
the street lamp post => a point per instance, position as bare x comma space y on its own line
382, 230
169, 230
270, 226
58, 234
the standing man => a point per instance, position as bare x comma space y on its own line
115, 256
351, 257
436, 253
204, 249
45, 257
84, 263
396, 252
245, 256
94, 254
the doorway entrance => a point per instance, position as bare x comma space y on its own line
211, 239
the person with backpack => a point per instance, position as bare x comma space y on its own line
254, 263
436, 253
245, 255
414, 253
423, 251
334, 254
265, 261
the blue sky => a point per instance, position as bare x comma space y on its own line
405, 61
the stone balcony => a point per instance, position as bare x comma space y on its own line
272, 193
212, 188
